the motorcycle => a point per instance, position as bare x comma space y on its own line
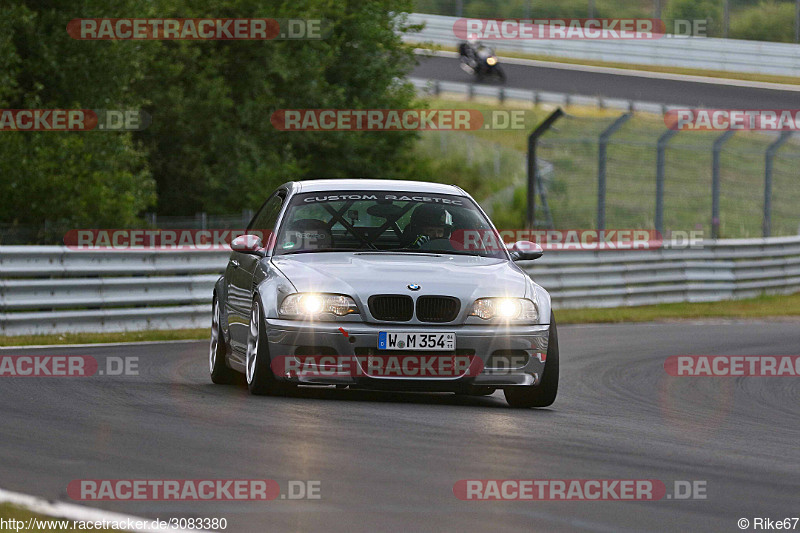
481, 62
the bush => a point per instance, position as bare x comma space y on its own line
769, 21
710, 10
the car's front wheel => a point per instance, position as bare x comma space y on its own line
220, 373
545, 392
260, 379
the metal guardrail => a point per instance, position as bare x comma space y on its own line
53, 289
716, 270
471, 90
732, 55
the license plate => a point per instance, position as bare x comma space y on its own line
404, 340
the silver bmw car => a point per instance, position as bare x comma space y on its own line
382, 284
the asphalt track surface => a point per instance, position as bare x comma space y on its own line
628, 87
388, 461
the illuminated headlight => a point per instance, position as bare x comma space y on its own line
505, 309
310, 305
491, 61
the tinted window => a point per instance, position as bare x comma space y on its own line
267, 216
381, 220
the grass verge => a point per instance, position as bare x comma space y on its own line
774, 306
92, 338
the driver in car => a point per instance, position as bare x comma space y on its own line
428, 223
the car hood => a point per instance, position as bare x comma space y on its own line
364, 274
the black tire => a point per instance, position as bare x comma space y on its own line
258, 371
500, 74
221, 374
543, 394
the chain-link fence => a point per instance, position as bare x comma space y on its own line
618, 186
489, 171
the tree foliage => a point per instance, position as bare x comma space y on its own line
210, 145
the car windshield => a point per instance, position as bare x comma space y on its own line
382, 221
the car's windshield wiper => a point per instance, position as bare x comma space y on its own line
438, 252
400, 251
324, 250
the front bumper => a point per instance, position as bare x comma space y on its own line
510, 355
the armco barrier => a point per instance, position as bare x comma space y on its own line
471, 90
701, 53
53, 289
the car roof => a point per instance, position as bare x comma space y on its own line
371, 184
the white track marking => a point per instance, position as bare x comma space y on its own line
75, 512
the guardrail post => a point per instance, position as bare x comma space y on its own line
470, 91
601, 167
533, 139
718, 142
766, 224
661, 147
502, 95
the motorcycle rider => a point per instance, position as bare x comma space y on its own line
469, 49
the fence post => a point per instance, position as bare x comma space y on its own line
661, 146
247, 215
766, 224
533, 139
601, 167
726, 18
797, 21
718, 142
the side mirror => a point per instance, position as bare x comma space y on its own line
525, 251
248, 244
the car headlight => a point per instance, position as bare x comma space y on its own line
492, 61
312, 304
505, 309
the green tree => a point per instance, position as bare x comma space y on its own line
212, 145
72, 178
768, 21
